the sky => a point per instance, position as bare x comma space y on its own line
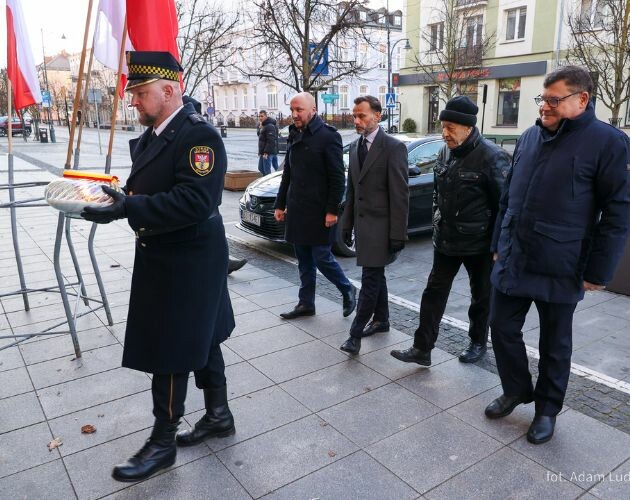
59, 18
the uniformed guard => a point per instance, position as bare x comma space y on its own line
179, 308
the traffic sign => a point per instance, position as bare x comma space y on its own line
390, 101
46, 103
329, 98
95, 96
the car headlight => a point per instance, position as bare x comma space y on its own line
245, 198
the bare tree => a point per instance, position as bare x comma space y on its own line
600, 41
292, 39
455, 47
205, 40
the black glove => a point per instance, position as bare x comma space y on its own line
105, 215
396, 245
347, 238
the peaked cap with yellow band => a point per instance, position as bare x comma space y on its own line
147, 67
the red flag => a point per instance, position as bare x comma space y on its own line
20, 65
152, 25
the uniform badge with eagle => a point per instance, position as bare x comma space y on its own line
202, 160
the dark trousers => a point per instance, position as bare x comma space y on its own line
313, 257
372, 300
555, 345
169, 390
435, 296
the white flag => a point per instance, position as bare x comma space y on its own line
110, 21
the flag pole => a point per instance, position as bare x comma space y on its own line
78, 91
77, 151
108, 158
14, 234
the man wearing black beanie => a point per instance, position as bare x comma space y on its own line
468, 178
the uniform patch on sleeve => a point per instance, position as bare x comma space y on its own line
201, 160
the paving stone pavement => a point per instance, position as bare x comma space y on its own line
312, 421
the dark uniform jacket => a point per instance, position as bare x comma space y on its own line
466, 190
565, 210
268, 137
377, 199
313, 182
179, 305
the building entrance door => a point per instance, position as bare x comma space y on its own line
434, 108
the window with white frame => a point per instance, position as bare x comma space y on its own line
226, 100
235, 94
515, 23
436, 36
474, 31
382, 91
592, 13
397, 20
396, 63
382, 57
245, 103
363, 90
254, 98
509, 98
363, 53
363, 15
272, 96
343, 96
627, 120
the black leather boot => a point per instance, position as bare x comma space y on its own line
541, 429
217, 422
413, 355
235, 264
158, 453
474, 352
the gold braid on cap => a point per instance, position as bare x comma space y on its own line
135, 70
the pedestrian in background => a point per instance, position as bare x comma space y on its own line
267, 143
313, 182
561, 230
179, 307
468, 177
377, 209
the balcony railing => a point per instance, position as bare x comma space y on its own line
468, 56
470, 3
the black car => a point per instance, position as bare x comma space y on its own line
256, 205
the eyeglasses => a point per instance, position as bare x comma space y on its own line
553, 101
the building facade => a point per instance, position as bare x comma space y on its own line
509, 47
234, 99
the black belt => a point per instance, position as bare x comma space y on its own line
144, 232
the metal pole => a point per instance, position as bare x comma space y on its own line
51, 125
112, 130
98, 127
389, 71
82, 120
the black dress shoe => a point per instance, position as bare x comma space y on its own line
235, 264
376, 327
217, 422
352, 345
474, 352
349, 302
504, 405
413, 355
541, 429
159, 452
297, 311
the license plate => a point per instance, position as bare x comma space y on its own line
251, 217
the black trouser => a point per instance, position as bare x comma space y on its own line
169, 390
435, 296
555, 345
372, 300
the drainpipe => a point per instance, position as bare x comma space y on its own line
560, 22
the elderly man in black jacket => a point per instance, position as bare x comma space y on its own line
311, 190
468, 178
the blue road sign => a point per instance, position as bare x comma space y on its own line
45, 99
321, 64
390, 101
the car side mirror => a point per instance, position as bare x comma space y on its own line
414, 171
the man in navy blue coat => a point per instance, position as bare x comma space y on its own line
179, 307
562, 227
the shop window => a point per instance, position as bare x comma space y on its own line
509, 97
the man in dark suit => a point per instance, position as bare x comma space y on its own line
179, 308
377, 208
562, 227
312, 186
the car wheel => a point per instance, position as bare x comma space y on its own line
339, 246
27, 133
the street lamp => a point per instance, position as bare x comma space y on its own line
390, 53
50, 122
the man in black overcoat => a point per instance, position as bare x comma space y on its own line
179, 308
313, 182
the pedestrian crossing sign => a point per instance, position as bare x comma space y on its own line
390, 101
